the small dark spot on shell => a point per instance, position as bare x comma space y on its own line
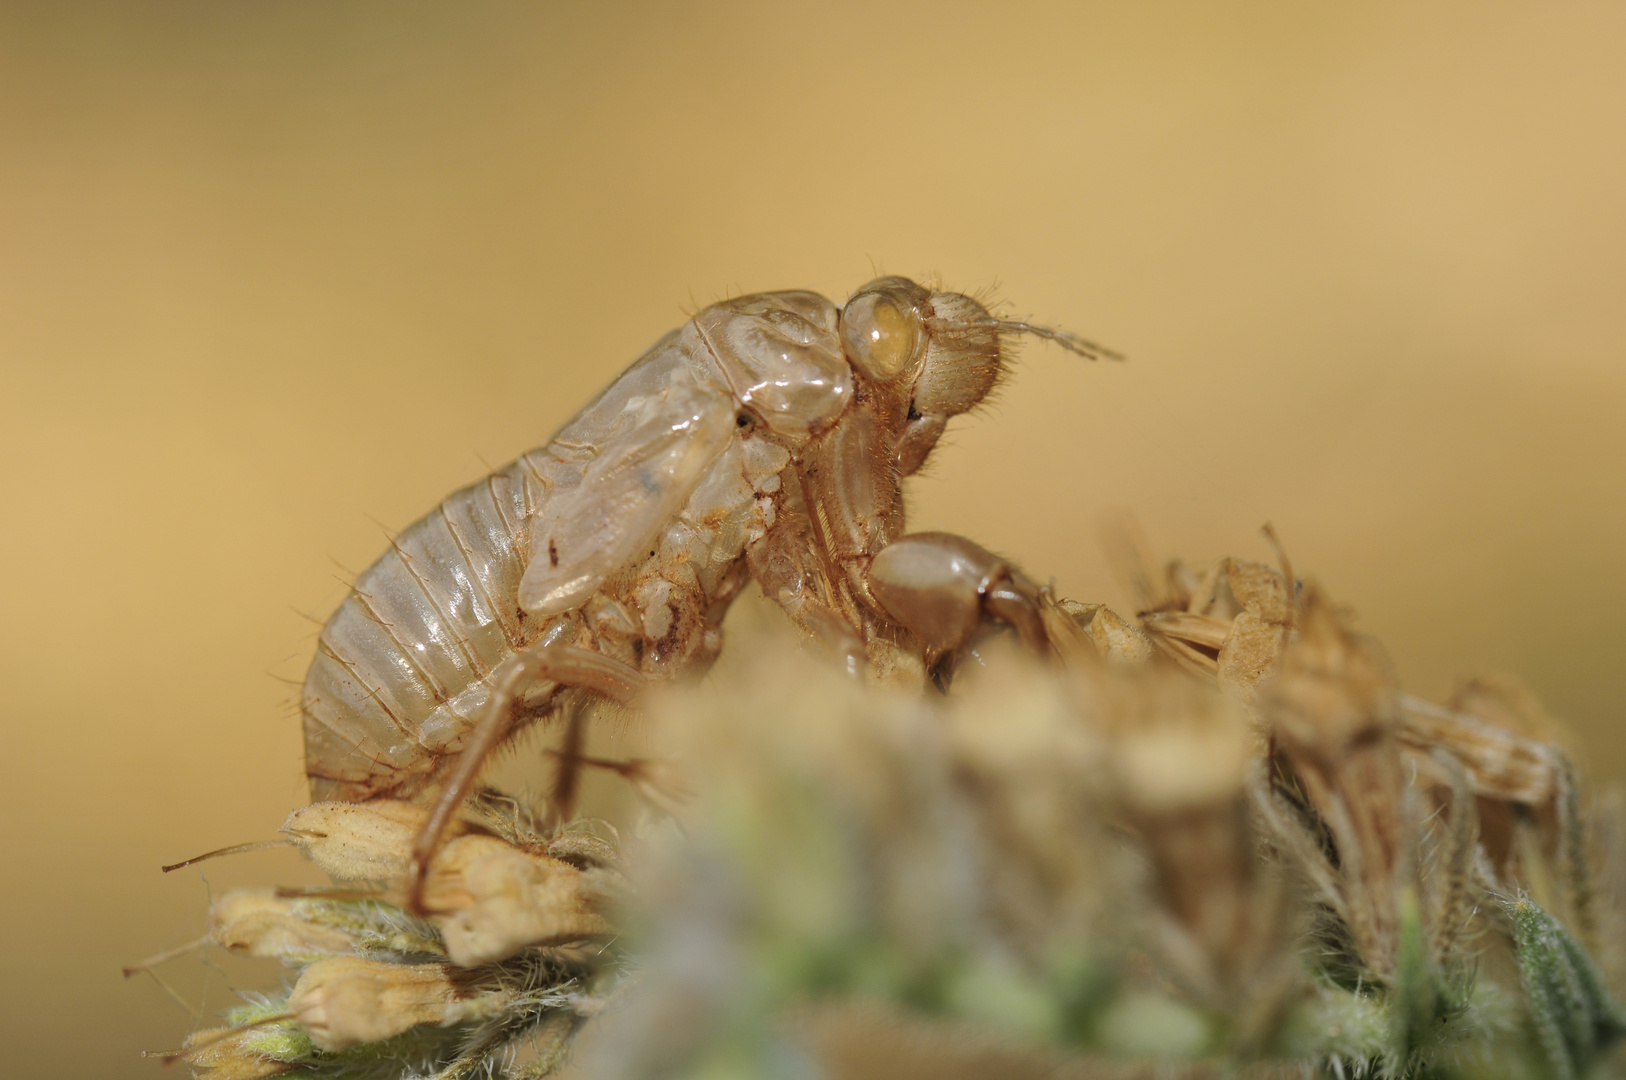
553, 554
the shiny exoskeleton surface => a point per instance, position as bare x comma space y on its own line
765, 439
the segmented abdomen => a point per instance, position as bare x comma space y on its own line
404, 665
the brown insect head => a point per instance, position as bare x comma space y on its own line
936, 354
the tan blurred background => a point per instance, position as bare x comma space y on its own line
273, 275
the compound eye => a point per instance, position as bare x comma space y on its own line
881, 337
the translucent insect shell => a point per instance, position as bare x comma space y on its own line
764, 439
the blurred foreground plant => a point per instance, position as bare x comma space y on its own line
1224, 843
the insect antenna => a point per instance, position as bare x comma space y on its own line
234, 849
1066, 339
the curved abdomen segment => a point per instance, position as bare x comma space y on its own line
405, 663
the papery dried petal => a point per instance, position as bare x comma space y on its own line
1192, 640
1333, 709
1501, 764
1505, 702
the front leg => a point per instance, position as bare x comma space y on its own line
939, 586
943, 587
792, 565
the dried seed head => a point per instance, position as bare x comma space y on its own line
1501, 764
1231, 623
1052, 853
232, 1054
1173, 744
259, 923
1261, 589
1029, 765
1336, 690
346, 1000
1529, 819
1505, 702
1088, 631
1191, 640
490, 900
361, 842
1259, 633
1333, 709
1179, 755
586, 843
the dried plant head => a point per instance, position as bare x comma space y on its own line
1222, 844
1172, 743
1230, 623
1179, 759
1085, 633
1336, 689
1333, 709
1504, 701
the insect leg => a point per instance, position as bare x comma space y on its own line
834, 631
566, 665
562, 799
942, 587
787, 567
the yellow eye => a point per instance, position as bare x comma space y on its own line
881, 338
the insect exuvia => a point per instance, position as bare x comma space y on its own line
765, 439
